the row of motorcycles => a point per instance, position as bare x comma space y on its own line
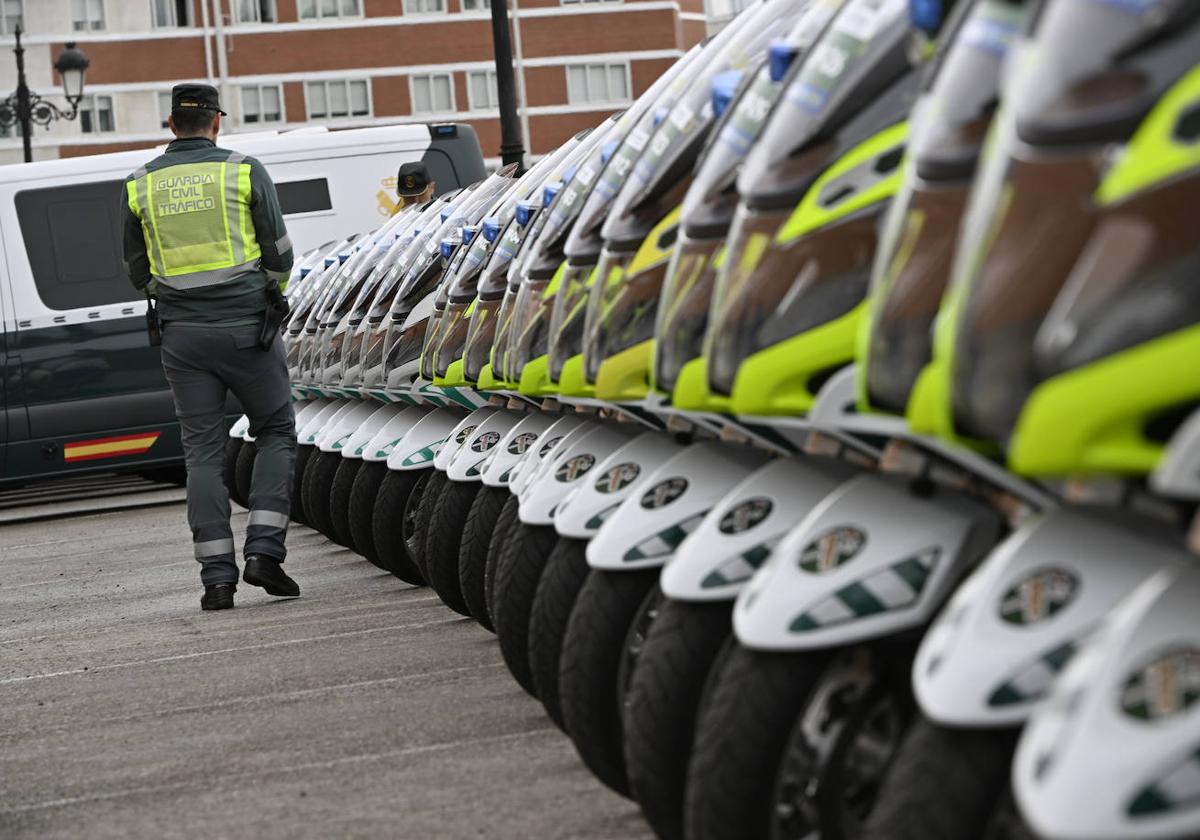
820, 436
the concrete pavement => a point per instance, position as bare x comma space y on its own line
364, 708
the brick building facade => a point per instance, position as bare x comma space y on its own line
285, 63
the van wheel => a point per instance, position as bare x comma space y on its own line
318, 481
243, 472
339, 501
517, 575
229, 467
741, 733
387, 518
943, 785
418, 514
566, 570
444, 540
303, 456
664, 698
473, 550
505, 523
361, 509
596, 647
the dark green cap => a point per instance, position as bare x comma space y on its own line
196, 96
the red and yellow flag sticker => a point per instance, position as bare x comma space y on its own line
89, 450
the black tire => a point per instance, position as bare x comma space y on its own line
303, 456
741, 734
229, 468
506, 522
564, 575
664, 699
361, 510
243, 473
387, 523
445, 538
945, 784
517, 575
318, 482
339, 501
477, 535
589, 675
418, 516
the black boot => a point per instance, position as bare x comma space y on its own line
218, 596
266, 572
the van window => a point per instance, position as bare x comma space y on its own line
304, 196
73, 237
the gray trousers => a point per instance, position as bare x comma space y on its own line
202, 364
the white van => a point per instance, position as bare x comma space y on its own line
80, 388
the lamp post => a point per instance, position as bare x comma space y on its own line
512, 148
25, 108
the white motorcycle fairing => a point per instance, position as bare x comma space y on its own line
1178, 472
739, 533
565, 470
877, 556
613, 480
312, 428
381, 444
650, 525
503, 459
356, 444
305, 410
334, 434
1013, 625
467, 463
1114, 753
417, 449
530, 464
241, 427
460, 435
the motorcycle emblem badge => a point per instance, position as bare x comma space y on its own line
575, 467
618, 478
485, 441
1165, 687
835, 548
746, 515
663, 493
1038, 596
520, 443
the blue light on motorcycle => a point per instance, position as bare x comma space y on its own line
447, 212
491, 228
524, 212
569, 173
468, 233
447, 248
926, 14
660, 115
608, 150
724, 86
330, 261
549, 191
780, 56
304, 272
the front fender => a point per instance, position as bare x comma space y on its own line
498, 469
421, 444
1013, 625
336, 433
738, 534
381, 444
356, 444
1113, 752
565, 470
611, 482
649, 526
467, 463
877, 556
459, 436
312, 429
531, 463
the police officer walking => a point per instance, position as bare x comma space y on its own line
204, 236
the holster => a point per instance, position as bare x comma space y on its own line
153, 323
277, 312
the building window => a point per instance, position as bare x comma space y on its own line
10, 131
314, 9
164, 107
256, 11
87, 15
432, 93
481, 90
607, 82
424, 7
262, 103
96, 114
476, 5
570, 2
10, 15
170, 12
339, 98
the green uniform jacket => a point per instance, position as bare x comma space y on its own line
242, 298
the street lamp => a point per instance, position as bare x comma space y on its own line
24, 108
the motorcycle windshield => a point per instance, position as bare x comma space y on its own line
480, 336
802, 243
567, 317
915, 255
1034, 233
